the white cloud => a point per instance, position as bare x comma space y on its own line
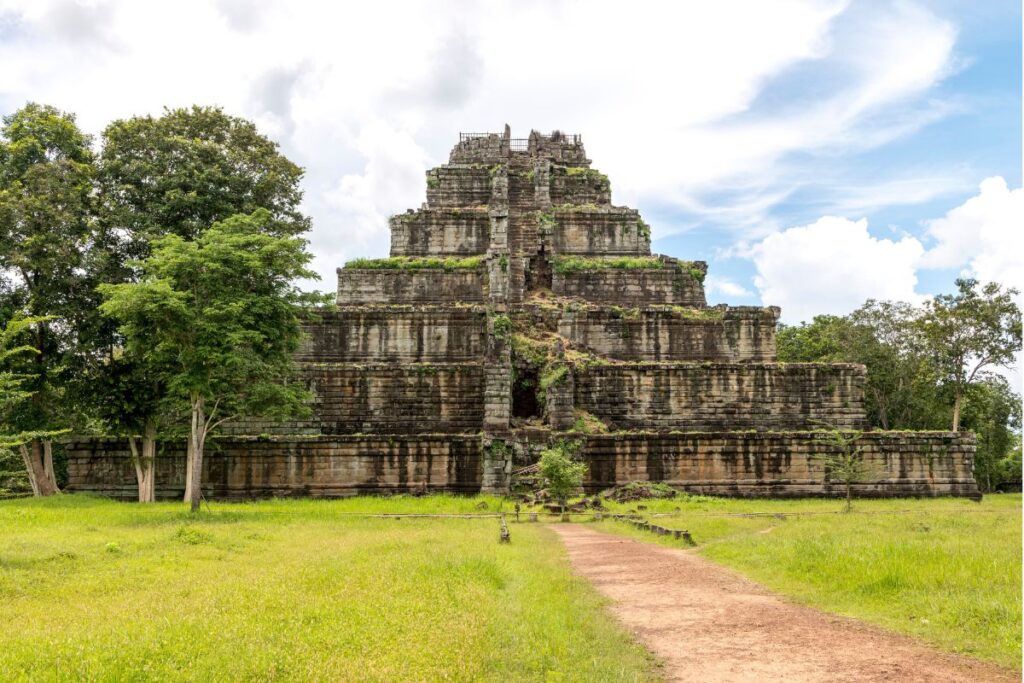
670, 97
984, 235
832, 266
714, 284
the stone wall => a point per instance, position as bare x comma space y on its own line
632, 287
420, 286
557, 147
607, 232
239, 468
441, 232
396, 399
458, 186
714, 396
776, 464
663, 334
396, 333
783, 464
585, 188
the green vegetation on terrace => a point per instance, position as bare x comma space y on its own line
295, 590
588, 174
945, 570
572, 264
417, 263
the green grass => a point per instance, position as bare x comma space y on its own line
295, 590
448, 263
573, 264
945, 570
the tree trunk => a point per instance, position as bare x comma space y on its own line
41, 477
137, 462
149, 462
197, 437
51, 475
849, 496
956, 411
188, 468
145, 463
27, 459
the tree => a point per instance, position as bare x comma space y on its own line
178, 174
844, 461
46, 175
188, 169
901, 388
129, 399
992, 410
979, 327
218, 319
15, 392
562, 475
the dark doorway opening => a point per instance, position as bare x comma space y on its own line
524, 393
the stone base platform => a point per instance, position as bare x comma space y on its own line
741, 464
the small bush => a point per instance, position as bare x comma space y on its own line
192, 536
561, 473
502, 327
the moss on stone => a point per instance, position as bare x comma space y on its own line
449, 263
572, 264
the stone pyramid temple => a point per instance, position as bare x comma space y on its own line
521, 308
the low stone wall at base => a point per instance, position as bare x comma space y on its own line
783, 464
741, 464
248, 467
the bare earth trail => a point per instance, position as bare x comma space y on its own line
709, 624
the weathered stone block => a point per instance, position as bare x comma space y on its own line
715, 396
610, 231
423, 286
667, 334
782, 464
633, 286
397, 333
441, 232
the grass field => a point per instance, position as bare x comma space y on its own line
98, 590
945, 570
304, 589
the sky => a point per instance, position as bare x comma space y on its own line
816, 154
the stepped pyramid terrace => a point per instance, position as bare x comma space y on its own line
521, 307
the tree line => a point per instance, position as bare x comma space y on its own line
147, 289
932, 367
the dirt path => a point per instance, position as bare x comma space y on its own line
709, 624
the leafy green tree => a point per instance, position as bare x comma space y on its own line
218, 318
992, 410
902, 386
561, 473
979, 327
46, 185
814, 342
182, 172
176, 174
15, 391
129, 400
901, 389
